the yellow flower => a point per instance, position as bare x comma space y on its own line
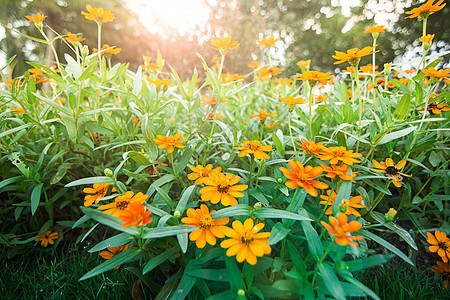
303, 177
213, 116
245, 242
107, 49
340, 228
262, 115
427, 38
170, 142
347, 206
159, 83
437, 75
437, 108
222, 188
254, 64
17, 110
201, 174
98, 14
313, 77
266, 74
208, 228
440, 243
375, 30
391, 171
98, 191
336, 154
113, 251
353, 56
223, 45
73, 38
293, 101
267, 43
255, 148
304, 63
122, 202
425, 10
47, 238
37, 18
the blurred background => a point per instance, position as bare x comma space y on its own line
307, 30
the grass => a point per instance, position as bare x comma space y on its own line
399, 280
36, 273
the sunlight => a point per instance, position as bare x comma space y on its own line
163, 17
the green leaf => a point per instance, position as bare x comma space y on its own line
157, 260
379, 187
8, 181
161, 181
236, 280
278, 233
395, 135
137, 83
237, 210
179, 83
114, 241
126, 256
183, 240
108, 220
99, 129
264, 213
314, 243
185, 197
367, 262
137, 157
90, 180
14, 130
343, 193
60, 173
297, 260
88, 71
187, 154
331, 281
402, 109
36, 197
210, 274
166, 198
347, 276
385, 244
159, 232
395, 228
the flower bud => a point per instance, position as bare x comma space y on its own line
280, 180
146, 156
108, 172
85, 51
387, 69
257, 206
172, 123
177, 214
241, 292
389, 216
39, 25
128, 85
344, 206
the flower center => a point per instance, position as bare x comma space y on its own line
223, 187
391, 170
122, 205
443, 246
339, 152
303, 176
170, 140
247, 238
254, 145
206, 221
101, 191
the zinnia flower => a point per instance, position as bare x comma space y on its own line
425, 10
107, 49
293, 101
266, 74
427, 38
47, 238
245, 242
310, 147
340, 171
444, 270
208, 228
17, 110
113, 251
347, 206
170, 142
436, 75
222, 188
122, 202
213, 116
440, 243
255, 148
303, 177
263, 115
340, 229
136, 215
254, 64
375, 29
223, 45
353, 56
98, 191
267, 43
314, 76
437, 108
37, 18
73, 38
336, 154
98, 14
304, 63
391, 171
201, 174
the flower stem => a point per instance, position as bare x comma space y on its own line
360, 105
310, 113
292, 138
99, 39
252, 159
373, 67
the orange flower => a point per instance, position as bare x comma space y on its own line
441, 74
263, 115
227, 77
440, 243
107, 49
444, 270
340, 171
73, 38
293, 101
427, 38
210, 101
208, 228
136, 215
254, 64
47, 238
98, 14
222, 188
310, 147
353, 56
213, 116
17, 110
375, 30
367, 69
159, 83
391, 171
425, 10
270, 126
113, 251
267, 43
98, 191
245, 242
223, 45
37, 18
280, 81
302, 177
313, 77
340, 228
266, 74
347, 206
121, 203
336, 154
201, 174
170, 142
255, 148
437, 108
304, 63
321, 98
